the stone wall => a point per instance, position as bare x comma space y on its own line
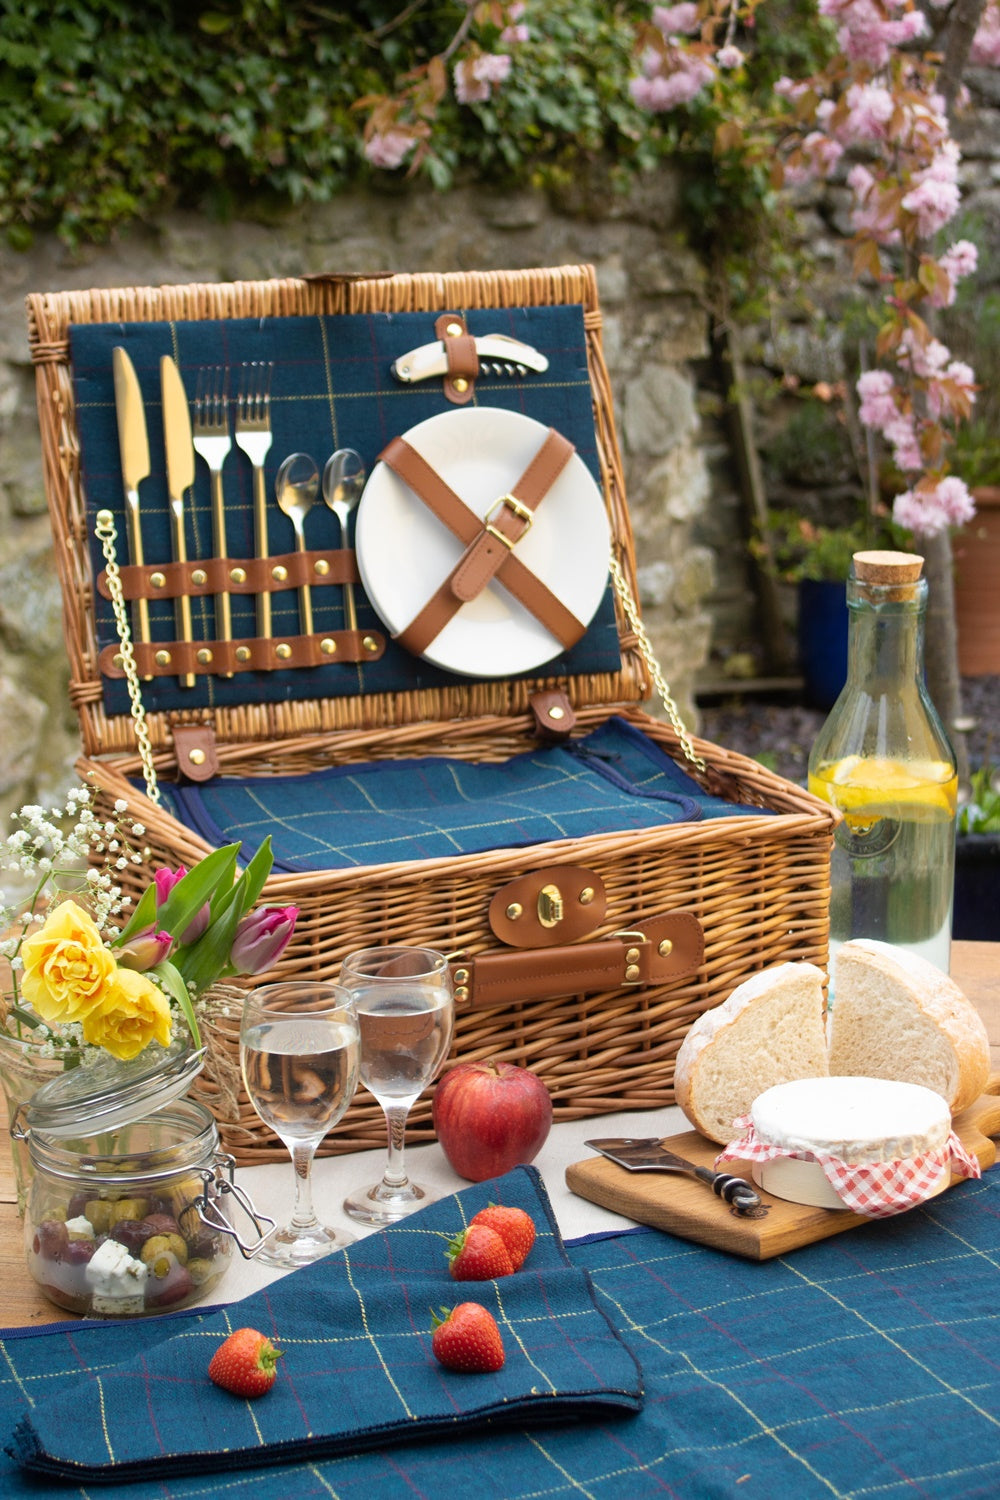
655, 331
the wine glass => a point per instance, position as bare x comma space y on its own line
405, 1015
299, 1055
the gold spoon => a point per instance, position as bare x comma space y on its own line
295, 486
343, 481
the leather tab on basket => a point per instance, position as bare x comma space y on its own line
489, 542
553, 714
225, 658
659, 951
194, 746
553, 905
235, 575
460, 352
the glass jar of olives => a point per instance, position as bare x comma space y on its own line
128, 1208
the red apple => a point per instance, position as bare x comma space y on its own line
491, 1116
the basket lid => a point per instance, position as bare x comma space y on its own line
106, 1093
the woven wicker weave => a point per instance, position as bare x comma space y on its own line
758, 884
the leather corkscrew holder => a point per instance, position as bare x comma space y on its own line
463, 361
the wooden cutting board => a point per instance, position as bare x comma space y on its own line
688, 1208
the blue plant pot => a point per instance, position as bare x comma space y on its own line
822, 637
976, 915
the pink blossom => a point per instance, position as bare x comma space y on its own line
388, 148
870, 107
676, 20
960, 259
875, 390
932, 203
926, 512
951, 392
475, 77
677, 87
262, 937
511, 35
823, 152
901, 435
729, 57
985, 49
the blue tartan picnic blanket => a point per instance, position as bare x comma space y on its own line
614, 778
864, 1366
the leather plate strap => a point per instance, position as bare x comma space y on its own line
488, 543
661, 950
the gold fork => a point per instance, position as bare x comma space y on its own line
210, 436
253, 435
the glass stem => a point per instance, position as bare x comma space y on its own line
395, 1169
303, 1214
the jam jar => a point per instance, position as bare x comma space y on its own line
127, 1210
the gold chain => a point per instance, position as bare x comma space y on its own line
104, 526
645, 646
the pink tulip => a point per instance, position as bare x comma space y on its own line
262, 937
146, 949
165, 880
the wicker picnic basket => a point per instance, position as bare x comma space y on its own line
665, 920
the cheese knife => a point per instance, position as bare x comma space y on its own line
648, 1154
180, 477
133, 442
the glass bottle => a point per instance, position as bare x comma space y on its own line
883, 759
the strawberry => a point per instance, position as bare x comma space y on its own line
467, 1338
245, 1363
515, 1227
478, 1254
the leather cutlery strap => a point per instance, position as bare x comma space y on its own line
259, 654
489, 542
235, 575
661, 950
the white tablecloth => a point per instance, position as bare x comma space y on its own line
272, 1187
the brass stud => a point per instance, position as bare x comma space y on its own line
632, 956
587, 895
157, 580
243, 653
632, 973
370, 644
199, 577
328, 646
453, 330
461, 976
515, 910
666, 948
204, 656
197, 757
557, 713
162, 658
461, 385
237, 575
283, 652
321, 567
461, 992
280, 573
119, 662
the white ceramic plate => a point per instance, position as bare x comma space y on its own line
404, 552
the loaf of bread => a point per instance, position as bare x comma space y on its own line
770, 1030
895, 1015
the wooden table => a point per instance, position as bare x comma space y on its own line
975, 967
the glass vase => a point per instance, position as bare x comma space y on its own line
23, 1069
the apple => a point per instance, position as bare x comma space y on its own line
491, 1116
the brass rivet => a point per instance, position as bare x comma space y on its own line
199, 576
665, 948
284, 651
104, 518
237, 575
587, 895
461, 976
632, 973
515, 910
162, 658
243, 653
557, 713
461, 992
157, 580
461, 385
370, 644
453, 330
197, 757
328, 646
280, 573
632, 956
204, 656
119, 662
321, 566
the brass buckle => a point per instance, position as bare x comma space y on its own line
521, 511
639, 940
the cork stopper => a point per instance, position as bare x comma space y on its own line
887, 567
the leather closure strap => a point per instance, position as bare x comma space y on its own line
489, 543
195, 748
221, 658
240, 575
460, 352
661, 950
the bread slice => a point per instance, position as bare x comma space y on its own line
770, 1030
895, 1015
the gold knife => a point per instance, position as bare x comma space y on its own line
180, 477
133, 442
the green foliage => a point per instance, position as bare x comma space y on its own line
798, 548
981, 814
111, 111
